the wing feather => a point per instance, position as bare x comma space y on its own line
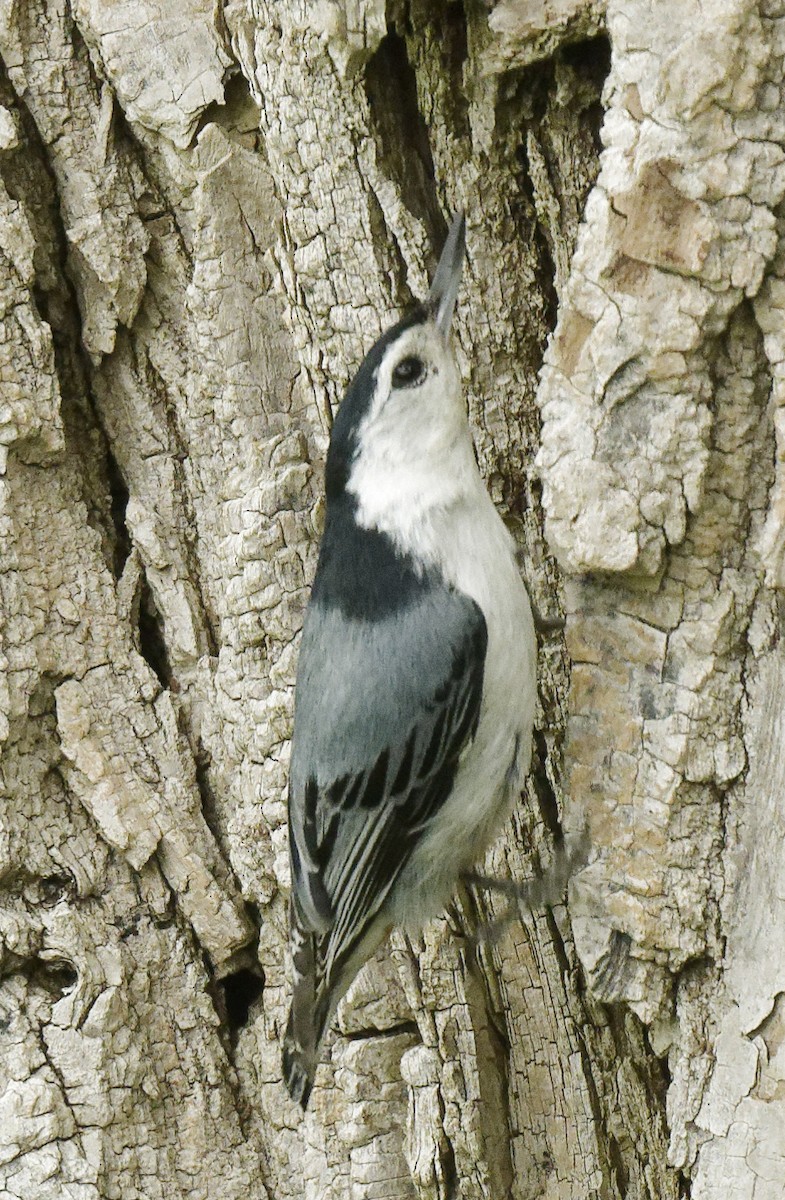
375, 751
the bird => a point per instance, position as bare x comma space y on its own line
416, 679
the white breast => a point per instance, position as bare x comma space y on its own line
448, 521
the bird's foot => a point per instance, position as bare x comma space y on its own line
544, 891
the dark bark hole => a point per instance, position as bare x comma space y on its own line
546, 107
207, 796
590, 62
118, 495
53, 888
546, 796
364, 1035
618, 1165
152, 644
55, 976
546, 266
450, 1168
240, 990
590, 57
58, 977
401, 132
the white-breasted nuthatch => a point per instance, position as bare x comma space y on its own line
416, 679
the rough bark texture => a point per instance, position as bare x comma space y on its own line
206, 217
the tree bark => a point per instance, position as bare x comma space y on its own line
206, 217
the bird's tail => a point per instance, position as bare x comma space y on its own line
321, 976
308, 1017
299, 1064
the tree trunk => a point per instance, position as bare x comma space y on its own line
206, 217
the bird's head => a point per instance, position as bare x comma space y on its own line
403, 413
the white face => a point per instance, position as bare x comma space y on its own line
413, 446
417, 400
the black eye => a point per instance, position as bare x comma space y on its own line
409, 372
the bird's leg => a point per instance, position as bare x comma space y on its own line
490, 932
542, 892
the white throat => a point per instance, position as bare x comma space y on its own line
414, 474
399, 487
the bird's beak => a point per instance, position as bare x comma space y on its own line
444, 289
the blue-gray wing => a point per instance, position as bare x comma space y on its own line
383, 710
